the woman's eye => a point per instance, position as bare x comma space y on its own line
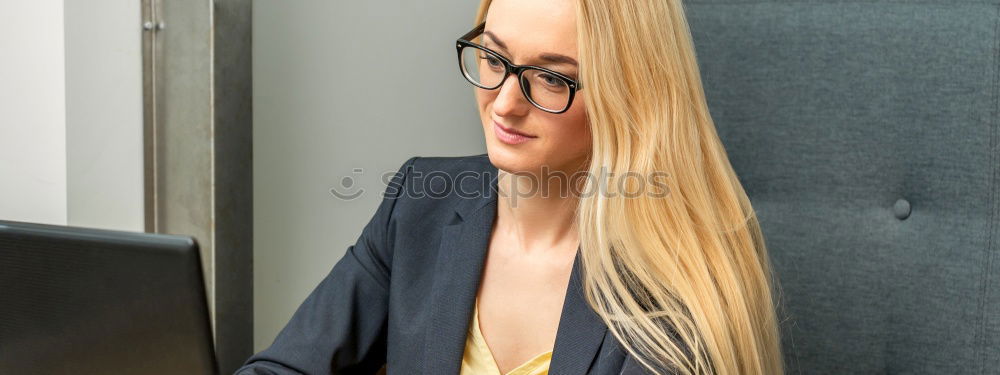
550, 80
493, 61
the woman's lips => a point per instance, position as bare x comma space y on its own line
510, 137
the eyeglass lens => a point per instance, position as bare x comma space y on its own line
485, 69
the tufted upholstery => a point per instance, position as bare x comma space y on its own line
867, 134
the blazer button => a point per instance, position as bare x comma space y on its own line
901, 209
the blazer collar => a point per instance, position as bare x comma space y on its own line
458, 272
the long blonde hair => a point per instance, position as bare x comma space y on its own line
682, 281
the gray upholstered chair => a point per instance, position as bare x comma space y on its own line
867, 134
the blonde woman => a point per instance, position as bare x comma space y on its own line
603, 232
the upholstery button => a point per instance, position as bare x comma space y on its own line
901, 209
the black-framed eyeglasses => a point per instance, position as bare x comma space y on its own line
546, 89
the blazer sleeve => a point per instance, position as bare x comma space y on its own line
340, 328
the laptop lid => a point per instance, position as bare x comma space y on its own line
88, 301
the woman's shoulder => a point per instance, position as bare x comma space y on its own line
452, 164
428, 186
433, 193
447, 177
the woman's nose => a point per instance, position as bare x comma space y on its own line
510, 101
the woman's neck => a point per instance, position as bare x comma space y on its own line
538, 211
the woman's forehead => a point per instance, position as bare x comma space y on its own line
528, 28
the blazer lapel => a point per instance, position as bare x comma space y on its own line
580, 331
459, 268
458, 273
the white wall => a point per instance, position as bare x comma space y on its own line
340, 85
32, 112
71, 113
104, 114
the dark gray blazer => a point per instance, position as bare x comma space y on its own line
403, 294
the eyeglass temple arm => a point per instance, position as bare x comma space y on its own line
474, 32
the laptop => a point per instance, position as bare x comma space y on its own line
88, 301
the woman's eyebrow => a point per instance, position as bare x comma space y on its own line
495, 39
550, 57
557, 58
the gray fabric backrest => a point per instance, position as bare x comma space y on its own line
866, 134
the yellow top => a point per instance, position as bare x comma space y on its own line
478, 359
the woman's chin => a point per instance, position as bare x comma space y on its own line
511, 160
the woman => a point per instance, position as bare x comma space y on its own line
603, 232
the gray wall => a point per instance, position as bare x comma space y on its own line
342, 85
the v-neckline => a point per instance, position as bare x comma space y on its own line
524, 368
460, 261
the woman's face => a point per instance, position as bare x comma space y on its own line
524, 31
